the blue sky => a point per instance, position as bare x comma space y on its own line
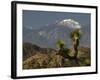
36, 19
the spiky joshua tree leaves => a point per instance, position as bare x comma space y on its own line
60, 44
75, 36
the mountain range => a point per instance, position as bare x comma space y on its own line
47, 35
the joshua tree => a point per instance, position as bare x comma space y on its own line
60, 44
75, 36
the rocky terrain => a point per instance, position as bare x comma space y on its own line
35, 57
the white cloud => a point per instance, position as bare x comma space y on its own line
70, 23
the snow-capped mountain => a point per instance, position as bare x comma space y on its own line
69, 23
47, 35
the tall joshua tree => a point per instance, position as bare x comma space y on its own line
75, 36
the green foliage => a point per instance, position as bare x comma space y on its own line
75, 34
60, 43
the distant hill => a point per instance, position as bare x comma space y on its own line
30, 49
35, 57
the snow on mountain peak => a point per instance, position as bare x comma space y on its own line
70, 23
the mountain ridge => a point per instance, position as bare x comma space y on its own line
47, 35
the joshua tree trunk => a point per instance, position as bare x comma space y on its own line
75, 51
76, 42
75, 46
